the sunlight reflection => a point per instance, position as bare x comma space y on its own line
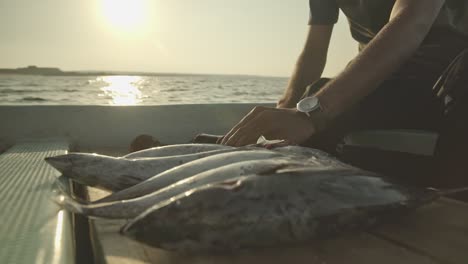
123, 89
58, 237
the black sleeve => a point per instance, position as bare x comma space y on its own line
323, 12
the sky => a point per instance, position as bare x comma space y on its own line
255, 37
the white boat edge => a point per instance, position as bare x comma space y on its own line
92, 126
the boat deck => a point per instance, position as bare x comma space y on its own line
33, 229
434, 234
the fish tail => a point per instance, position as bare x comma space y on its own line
69, 204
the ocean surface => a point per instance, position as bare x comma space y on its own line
138, 90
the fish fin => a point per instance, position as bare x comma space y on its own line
68, 203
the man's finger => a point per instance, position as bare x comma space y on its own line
244, 136
249, 139
248, 133
252, 114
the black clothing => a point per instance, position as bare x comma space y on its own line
430, 92
368, 17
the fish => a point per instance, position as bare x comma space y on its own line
115, 174
175, 150
189, 169
127, 209
284, 208
303, 151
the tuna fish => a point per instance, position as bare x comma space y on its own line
126, 209
115, 174
312, 154
189, 169
284, 208
174, 150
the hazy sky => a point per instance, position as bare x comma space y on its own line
193, 36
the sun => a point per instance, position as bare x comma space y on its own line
126, 15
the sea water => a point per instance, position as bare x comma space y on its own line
139, 90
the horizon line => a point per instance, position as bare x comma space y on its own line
147, 73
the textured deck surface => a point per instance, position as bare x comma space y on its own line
435, 234
32, 227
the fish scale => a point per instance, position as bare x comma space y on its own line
174, 150
126, 209
189, 169
221, 219
115, 174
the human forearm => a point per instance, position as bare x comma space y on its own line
309, 66
304, 74
410, 23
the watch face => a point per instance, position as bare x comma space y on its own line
308, 104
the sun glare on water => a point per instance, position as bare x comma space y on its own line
122, 90
126, 15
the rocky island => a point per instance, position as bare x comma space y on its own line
49, 71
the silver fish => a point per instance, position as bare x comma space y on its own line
313, 154
189, 169
287, 207
303, 151
115, 174
175, 150
126, 209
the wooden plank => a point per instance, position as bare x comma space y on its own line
359, 248
440, 230
353, 249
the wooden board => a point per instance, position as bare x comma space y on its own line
437, 233
439, 230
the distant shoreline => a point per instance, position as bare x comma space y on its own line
47, 71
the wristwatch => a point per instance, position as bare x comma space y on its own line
308, 105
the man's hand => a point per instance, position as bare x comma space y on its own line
286, 103
286, 124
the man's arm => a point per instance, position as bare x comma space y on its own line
409, 24
309, 66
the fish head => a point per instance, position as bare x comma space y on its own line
62, 163
81, 167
